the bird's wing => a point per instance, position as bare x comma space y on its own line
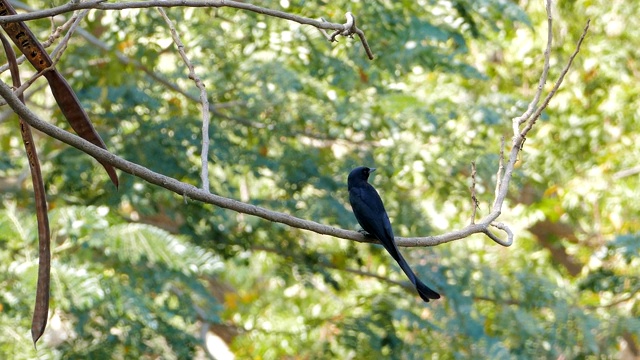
371, 215
368, 209
386, 225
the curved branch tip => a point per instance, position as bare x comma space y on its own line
495, 238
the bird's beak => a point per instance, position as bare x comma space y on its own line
372, 170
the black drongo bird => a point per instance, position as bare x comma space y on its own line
370, 213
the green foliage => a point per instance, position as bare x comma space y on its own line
127, 288
135, 270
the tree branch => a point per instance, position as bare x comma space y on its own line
190, 191
556, 86
206, 117
472, 188
529, 117
545, 73
102, 5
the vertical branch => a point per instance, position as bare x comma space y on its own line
41, 308
543, 78
533, 111
474, 199
206, 117
556, 86
496, 206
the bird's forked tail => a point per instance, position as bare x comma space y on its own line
426, 293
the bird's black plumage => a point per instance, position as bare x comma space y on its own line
371, 215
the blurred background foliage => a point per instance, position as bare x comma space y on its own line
143, 273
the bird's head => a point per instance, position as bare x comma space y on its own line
359, 174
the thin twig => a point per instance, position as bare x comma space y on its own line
507, 230
75, 20
553, 91
323, 31
626, 172
545, 73
629, 296
206, 117
25, 85
349, 29
474, 199
365, 44
499, 174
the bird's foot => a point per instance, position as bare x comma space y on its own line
364, 233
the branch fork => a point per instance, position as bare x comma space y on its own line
348, 29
